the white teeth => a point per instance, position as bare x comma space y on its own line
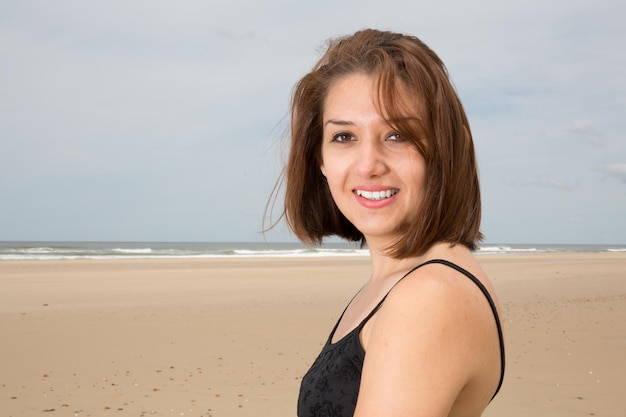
377, 195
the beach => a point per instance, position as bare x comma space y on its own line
229, 337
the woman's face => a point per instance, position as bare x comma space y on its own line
376, 177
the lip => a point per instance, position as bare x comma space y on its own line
375, 204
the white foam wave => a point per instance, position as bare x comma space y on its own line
131, 251
507, 249
34, 250
69, 250
170, 253
299, 252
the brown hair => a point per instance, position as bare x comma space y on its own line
450, 211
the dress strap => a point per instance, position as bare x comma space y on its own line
379, 305
494, 310
463, 271
332, 332
374, 310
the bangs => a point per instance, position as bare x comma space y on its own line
403, 107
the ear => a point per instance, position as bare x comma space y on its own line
323, 170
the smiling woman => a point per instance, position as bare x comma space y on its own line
375, 176
414, 96
381, 152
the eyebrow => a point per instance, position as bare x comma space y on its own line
389, 121
338, 122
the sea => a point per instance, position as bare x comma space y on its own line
190, 250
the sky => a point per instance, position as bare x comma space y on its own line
158, 120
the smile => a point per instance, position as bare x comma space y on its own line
377, 195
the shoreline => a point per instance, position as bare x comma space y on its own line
232, 337
26, 251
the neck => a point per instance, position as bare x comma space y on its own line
385, 267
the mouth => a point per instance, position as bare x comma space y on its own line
378, 195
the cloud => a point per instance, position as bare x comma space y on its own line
617, 171
586, 129
583, 126
549, 182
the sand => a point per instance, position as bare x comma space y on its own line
232, 337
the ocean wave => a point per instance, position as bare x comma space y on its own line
161, 251
112, 250
133, 251
305, 252
508, 249
32, 250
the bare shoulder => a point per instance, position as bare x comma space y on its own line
446, 296
439, 294
435, 332
443, 281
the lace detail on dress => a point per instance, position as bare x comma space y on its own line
330, 388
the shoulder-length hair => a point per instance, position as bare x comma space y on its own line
450, 210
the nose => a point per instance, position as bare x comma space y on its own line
370, 159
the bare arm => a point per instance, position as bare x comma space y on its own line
429, 345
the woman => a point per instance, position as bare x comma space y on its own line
381, 153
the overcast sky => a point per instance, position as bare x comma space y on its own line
161, 121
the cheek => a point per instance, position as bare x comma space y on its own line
333, 186
329, 167
335, 179
418, 166
322, 161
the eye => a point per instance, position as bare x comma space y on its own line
395, 137
342, 137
